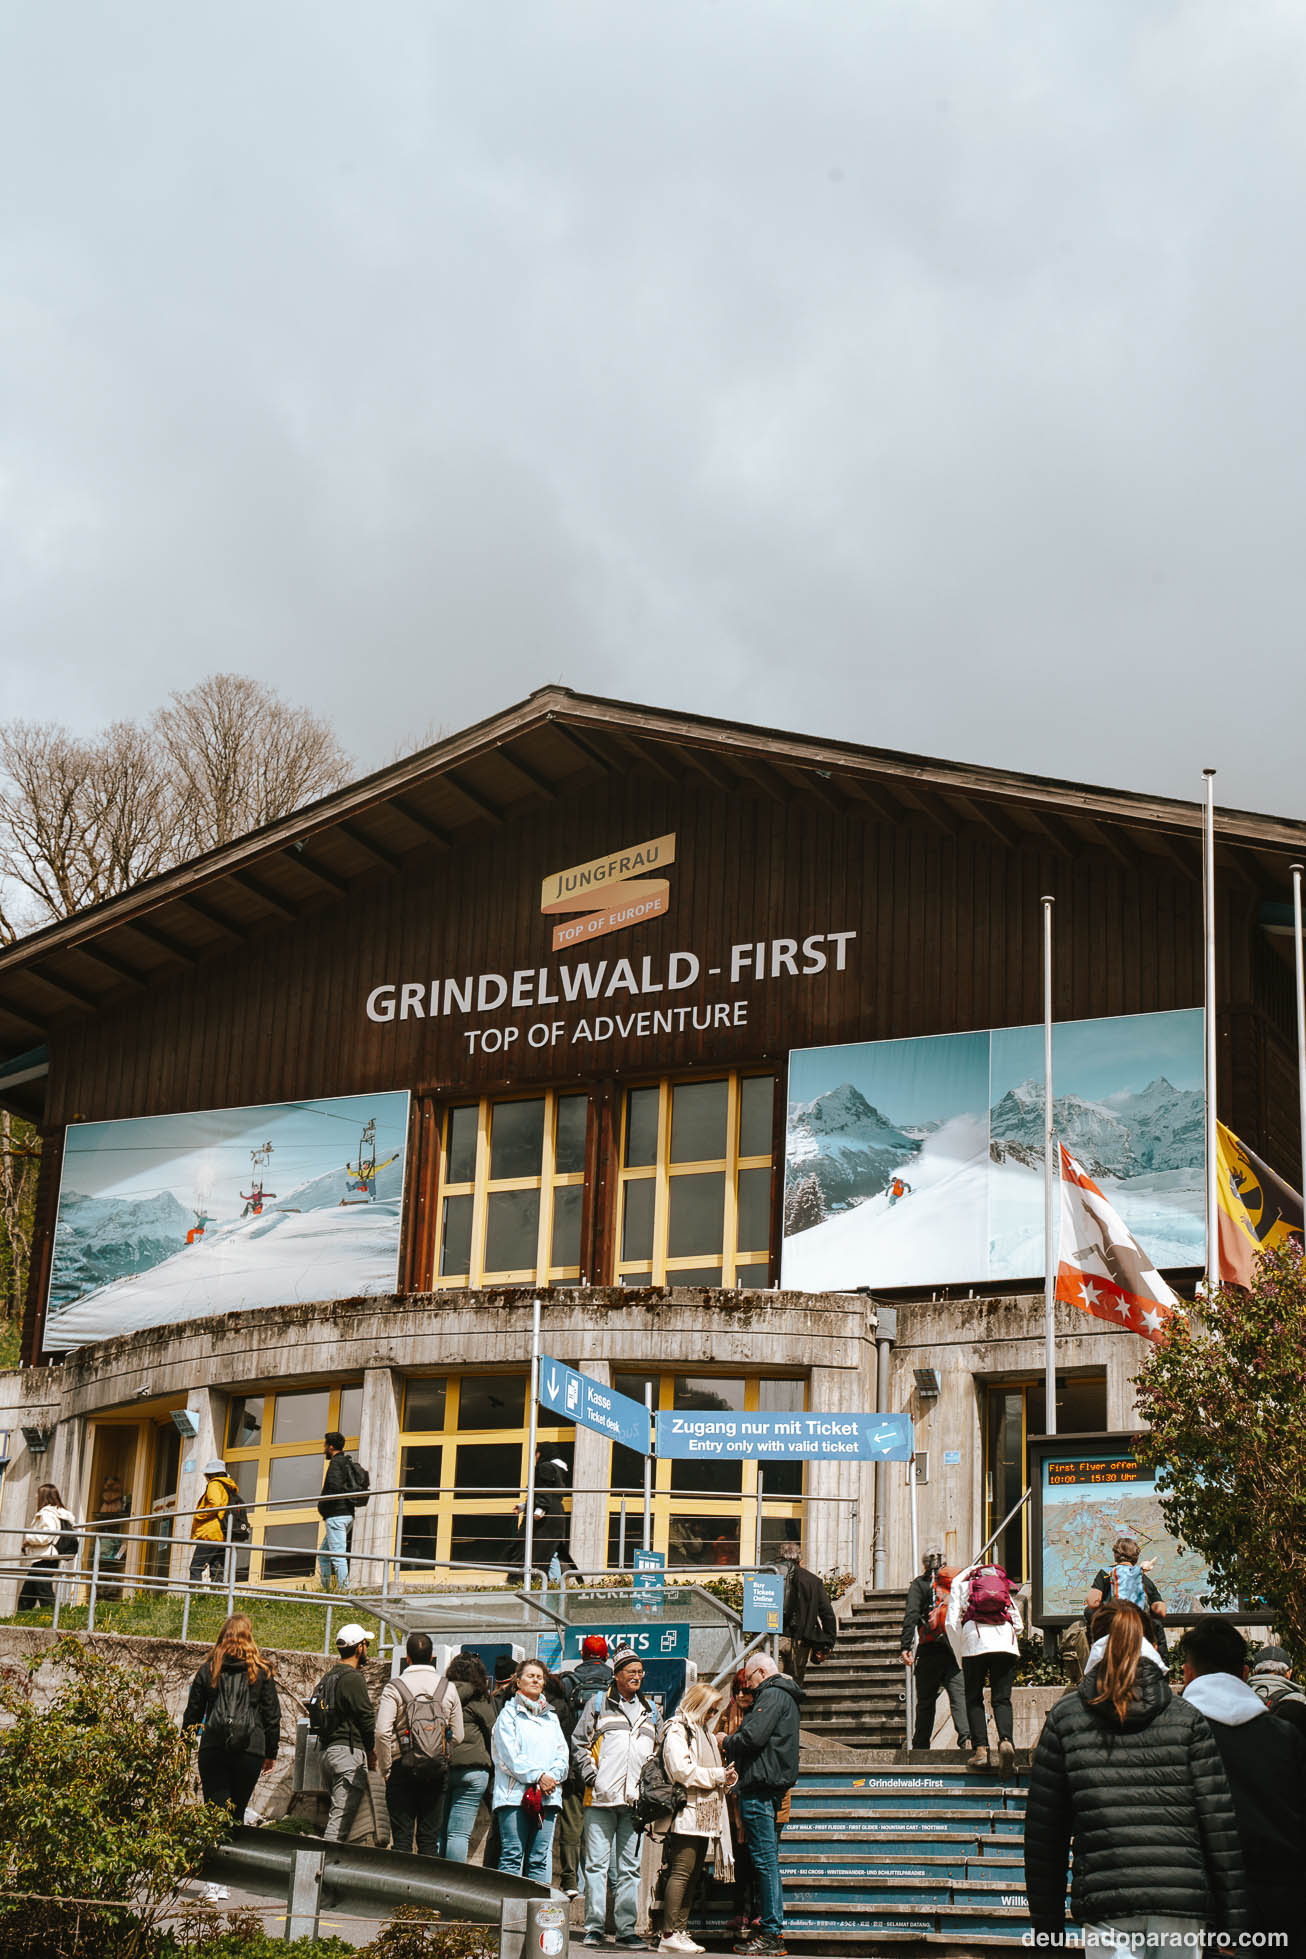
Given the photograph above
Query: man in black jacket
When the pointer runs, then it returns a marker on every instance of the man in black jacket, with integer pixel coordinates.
(349, 1744)
(336, 1509)
(1266, 1766)
(929, 1652)
(809, 1622)
(764, 1750)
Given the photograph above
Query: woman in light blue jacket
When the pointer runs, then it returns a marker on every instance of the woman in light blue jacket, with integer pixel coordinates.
(530, 1767)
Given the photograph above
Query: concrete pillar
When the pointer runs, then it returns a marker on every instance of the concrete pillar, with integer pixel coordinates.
(828, 1526)
(589, 1477)
(374, 1537)
(209, 1409)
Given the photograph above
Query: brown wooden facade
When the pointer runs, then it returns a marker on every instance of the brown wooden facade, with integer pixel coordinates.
(911, 888)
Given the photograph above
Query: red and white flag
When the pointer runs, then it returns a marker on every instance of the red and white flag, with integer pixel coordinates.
(1102, 1269)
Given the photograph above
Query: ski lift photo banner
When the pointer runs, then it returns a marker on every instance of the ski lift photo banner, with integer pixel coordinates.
(170, 1218)
(920, 1162)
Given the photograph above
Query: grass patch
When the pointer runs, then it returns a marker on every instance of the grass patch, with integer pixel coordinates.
(291, 1625)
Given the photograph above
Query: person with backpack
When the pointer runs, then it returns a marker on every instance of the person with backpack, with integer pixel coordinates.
(340, 1715)
(809, 1624)
(983, 1627)
(233, 1702)
(615, 1735)
(52, 1534)
(209, 1524)
(1130, 1776)
(698, 1823)
(764, 1751)
(419, 1722)
(1126, 1578)
(925, 1648)
(470, 1760)
(529, 1752)
(1271, 1679)
(592, 1676)
(344, 1491)
(1266, 1766)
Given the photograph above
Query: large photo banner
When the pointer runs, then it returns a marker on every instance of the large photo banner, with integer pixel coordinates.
(166, 1218)
(921, 1162)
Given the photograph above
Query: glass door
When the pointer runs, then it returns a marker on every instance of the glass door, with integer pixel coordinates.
(1013, 1411)
(163, 1500)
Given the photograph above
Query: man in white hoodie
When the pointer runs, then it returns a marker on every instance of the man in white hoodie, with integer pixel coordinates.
(1265, 1762)
(983, 1627)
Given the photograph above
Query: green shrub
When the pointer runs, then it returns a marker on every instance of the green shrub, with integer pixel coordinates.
(417, 1934)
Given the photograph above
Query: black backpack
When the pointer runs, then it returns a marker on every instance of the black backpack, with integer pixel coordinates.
(230, 1723)
(360, 1483)
(236, 1519)
(659, 1797)
(321, 1705)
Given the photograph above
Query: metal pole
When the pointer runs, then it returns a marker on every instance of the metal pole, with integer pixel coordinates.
(95, 1583)
(886, 1332)
(1301, 1010)
(230, 1555)
(621, 1536)
(648, 1475)
(1049, 1191)
(757, 1530)
(915, 1535)
(528, 1545)
(1212, 1135)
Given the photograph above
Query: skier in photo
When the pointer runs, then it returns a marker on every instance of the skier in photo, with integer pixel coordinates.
(898, 1189)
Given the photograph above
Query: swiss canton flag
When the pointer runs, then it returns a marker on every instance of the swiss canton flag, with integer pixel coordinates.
(1102, 1269)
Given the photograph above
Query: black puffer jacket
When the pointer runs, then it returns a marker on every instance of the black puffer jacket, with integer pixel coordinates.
(1147, 1806)
(764, 1747)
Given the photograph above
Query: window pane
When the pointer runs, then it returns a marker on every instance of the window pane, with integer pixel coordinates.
(569, 1135)
(704, 1540)
(245, 1422)
(709, 1392)
(288, 1550)
(302, 1417)
(351, 1410)
(780, 1397)
(424, 1404)
(752, 1275)
(456, 1236)
(782, 1479)
(627, 1470)
(245, 1476)
(637, 1218)
(419, 1469)
(492, 1401)
(777, 1531)
(641, 1128)
(483, 1539)
(696, 1211)
(512, 1230)
(694, 1275)
(636, 1279)
(698, 1121)
(517, 1139)
(460, 1149)
(566, 1224)
(756, 1103)
(489, 1469)
(754, 1211)
(418, 1537)
(697, 1478)
(296, 1479)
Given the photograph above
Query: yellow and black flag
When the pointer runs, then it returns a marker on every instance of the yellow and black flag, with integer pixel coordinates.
(1258, 1211)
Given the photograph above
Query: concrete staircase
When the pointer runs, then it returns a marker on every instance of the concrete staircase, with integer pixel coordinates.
(859, 1696)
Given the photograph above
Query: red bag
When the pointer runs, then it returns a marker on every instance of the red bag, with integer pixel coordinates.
(533, 1801)
(990, 1595)
(934, 1625)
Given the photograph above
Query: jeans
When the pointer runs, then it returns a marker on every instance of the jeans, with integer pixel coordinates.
(416, 1805)
(1149, 1932)
(345, 1769)
(208, 1556)
(334, 1546)
(758, 1817)
(682, 1868)
(38, 1586)
(999, 1669)
(935, 1667)
(229, 1779)
(525, 1843)
(611, 1842)
(463, 1793)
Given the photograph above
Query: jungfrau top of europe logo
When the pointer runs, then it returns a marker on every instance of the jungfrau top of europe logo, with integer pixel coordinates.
(609, 892)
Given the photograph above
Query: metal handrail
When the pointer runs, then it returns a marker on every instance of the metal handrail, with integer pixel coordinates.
(1018, 1505)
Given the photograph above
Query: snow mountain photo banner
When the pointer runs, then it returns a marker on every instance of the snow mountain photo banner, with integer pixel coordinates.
(167, 1218)
(920, 1162)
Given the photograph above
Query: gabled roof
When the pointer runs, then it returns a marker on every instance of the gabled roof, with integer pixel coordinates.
(528, 756)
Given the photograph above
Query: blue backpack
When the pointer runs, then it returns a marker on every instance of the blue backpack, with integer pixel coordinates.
(1127, 1583)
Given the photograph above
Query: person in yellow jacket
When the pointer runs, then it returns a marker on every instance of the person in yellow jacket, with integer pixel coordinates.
(208, 1527)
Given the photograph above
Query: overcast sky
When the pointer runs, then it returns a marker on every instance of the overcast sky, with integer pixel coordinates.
(929, 374)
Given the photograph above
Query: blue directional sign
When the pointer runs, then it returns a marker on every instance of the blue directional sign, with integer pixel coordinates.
(578, 1398)
(785, 1438)
(764, 1598)
(649, 1581)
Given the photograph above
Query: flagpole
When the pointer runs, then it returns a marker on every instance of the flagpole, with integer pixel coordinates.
(1300, 962)
(1049, 1191)
(1212, 1135)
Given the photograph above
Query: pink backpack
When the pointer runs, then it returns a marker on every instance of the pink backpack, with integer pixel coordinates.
(989, 1595)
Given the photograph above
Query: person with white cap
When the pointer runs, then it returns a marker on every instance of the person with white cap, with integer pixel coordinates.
(614, 1737)
(346, 1728)
(208, 1526)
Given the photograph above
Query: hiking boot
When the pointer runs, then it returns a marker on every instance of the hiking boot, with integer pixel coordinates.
(979, 1760)
(1006, 1761)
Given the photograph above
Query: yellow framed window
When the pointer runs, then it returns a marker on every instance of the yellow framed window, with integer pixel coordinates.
(463, 1458)
(512, 1179)
(274, 1454)
(706, 1512)
(695, 1183)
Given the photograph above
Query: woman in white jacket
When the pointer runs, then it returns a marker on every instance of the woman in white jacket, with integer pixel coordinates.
(42, 1536)
(984, 1633)
(691, 1755)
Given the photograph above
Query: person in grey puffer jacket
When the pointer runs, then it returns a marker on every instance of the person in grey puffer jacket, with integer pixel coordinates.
(1132, 1777)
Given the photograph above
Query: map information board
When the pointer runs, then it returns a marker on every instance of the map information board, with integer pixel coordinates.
(1087, 1495)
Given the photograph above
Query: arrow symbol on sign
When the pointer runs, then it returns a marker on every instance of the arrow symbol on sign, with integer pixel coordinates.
(553, 1383)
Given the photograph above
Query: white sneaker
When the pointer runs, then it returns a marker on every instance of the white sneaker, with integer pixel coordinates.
(216, 1892)
(679, 1942)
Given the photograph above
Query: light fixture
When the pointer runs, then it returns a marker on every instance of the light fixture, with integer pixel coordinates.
(185, 1423)
(927, 1383)
(37, 1440)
